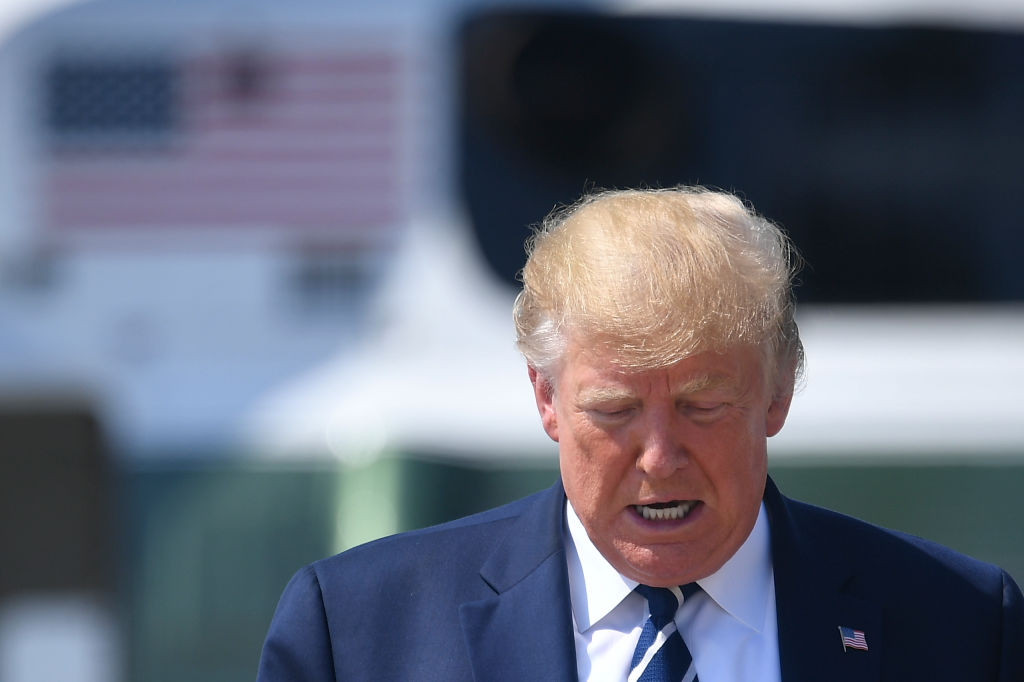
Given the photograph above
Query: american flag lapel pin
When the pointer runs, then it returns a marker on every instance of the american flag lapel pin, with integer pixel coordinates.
(853, 639)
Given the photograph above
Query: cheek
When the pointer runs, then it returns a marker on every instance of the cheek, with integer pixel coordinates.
(592, 464)
(750, 474)
(737, 461)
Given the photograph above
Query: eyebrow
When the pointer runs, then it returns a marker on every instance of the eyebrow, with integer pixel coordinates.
(603, 394)
(705, 382)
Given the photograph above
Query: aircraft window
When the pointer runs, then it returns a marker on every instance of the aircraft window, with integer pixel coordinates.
(893, 155)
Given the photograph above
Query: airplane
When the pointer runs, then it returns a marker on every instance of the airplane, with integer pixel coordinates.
(285, 265)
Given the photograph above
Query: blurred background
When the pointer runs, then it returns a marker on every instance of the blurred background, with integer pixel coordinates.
(257, 262)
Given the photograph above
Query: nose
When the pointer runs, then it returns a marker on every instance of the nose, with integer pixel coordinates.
(662, 450)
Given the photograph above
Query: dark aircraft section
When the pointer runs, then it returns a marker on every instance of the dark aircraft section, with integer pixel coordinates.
(893, 155)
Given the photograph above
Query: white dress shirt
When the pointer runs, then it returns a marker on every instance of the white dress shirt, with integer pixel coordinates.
(729, 626)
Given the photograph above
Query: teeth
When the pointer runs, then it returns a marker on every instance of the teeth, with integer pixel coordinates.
(675, 512)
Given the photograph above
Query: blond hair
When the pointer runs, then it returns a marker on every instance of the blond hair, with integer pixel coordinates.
(656, 276)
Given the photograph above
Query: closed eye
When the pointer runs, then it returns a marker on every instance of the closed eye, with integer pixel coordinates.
(611, 414)
(703, 411)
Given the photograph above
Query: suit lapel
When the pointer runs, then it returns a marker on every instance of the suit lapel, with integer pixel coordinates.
(525, 631)
(813, 599)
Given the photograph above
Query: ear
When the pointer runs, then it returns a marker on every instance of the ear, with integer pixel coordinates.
(778, 410)
(544, 394)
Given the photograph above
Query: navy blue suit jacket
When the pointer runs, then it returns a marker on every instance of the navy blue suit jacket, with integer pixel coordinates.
(487, 598)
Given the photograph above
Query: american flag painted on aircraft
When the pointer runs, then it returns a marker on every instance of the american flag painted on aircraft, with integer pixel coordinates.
(294, 141)
(853, 639)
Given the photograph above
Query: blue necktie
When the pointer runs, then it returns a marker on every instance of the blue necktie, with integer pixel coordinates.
(661, 654)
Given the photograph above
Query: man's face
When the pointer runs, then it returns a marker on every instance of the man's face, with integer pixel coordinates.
(665, 468)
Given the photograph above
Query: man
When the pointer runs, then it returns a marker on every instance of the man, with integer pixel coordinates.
(658, 331)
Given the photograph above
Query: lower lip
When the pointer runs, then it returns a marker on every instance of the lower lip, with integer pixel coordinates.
(668, 524)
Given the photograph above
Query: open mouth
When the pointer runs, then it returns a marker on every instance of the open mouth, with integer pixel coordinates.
(665, 511)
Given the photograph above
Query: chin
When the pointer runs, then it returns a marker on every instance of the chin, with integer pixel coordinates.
(646, 567)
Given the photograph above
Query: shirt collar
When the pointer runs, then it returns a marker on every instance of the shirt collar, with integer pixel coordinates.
(741, 587)
(595, 587)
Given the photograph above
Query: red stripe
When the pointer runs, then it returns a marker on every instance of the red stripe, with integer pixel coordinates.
(348, 97)
(200, 217)
(368, 123)
(379, 64)
(379, 184)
